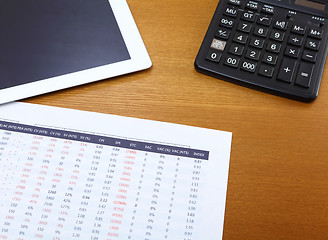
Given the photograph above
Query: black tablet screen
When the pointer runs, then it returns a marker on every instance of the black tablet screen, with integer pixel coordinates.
(47, 38)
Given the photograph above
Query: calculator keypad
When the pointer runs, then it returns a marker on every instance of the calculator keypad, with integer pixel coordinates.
(255, 44)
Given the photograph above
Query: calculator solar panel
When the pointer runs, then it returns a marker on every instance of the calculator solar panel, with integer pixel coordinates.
(279, 47)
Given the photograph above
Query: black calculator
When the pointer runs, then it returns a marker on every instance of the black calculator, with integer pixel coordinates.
(277, 46)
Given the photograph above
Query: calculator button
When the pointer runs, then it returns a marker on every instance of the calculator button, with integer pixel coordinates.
(315, 33)
(270, 58)
(222, 33)
(236, 49)
(286, 70)
(240, 38)
(277, 35)
(299, 29)
(248, 16)
(304, 75)
(226, 23)
(213, 56)
(267, 9)
(312, 44)
(280, 25)
(235, 2)
(253, 54)
(273, 47)
(232, 61)
(232, 12)
(248, 66)
(256, 42)
(292, 51)
(264, 20)
(260, 31)
(218, 44)
(244, 27)
(266, 71)
(309, 56)
(295, 40)
(252, 6)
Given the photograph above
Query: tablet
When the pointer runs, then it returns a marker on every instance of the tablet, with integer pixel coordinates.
(55, 44)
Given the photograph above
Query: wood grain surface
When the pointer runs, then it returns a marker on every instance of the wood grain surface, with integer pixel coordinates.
(278, 178)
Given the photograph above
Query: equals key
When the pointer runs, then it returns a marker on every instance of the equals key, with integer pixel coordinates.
(304, 75)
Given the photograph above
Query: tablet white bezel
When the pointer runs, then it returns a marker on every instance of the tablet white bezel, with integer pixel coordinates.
(139, 60)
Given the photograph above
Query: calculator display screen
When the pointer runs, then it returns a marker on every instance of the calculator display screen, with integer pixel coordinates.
(315, 5)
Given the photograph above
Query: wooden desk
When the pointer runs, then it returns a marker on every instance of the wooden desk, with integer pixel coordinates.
(278, 182)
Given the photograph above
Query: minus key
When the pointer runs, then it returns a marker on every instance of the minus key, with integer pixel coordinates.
(309, 56)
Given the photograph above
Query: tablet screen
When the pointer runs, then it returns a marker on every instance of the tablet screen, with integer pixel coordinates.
(41, 39)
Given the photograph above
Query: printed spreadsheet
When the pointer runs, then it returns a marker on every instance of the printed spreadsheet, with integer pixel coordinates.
(68, 174)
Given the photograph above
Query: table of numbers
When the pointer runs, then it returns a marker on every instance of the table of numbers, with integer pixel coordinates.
(58, 184)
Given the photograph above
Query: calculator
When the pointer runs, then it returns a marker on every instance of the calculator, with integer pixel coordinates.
(277, 46)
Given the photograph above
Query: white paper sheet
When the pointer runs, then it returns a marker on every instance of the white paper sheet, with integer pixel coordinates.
(68, 174)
